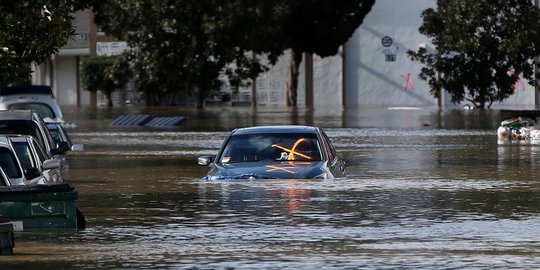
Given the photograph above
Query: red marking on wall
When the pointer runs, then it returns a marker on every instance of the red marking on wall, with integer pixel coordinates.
(408, 81)
(521, 84)
(519, 81)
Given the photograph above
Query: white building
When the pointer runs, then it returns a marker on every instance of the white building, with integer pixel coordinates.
(371, 69)
(61, 71)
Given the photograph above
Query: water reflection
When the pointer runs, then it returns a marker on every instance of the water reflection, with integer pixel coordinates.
(414, 197)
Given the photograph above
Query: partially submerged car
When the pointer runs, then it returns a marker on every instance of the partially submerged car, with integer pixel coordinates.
(12, 166)
(32, 156)
(282, 152)
(38, 98)
(27, 122)
(59, 134)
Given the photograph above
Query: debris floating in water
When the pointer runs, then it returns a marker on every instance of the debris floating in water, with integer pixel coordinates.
(518, 129)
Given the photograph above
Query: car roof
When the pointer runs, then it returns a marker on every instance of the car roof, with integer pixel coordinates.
(4, 141)
(275, 129)
(52, 125)
(16, 114)
(20, 138)
(26, 89)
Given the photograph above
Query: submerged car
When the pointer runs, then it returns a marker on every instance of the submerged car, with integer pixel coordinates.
(275, 152)
(59, 134)
(38, 98)
(11, 164)
(32, 156)
(27, 122)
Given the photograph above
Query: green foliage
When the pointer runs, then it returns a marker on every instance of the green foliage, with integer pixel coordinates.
(187, 44)
(482, 48)
(104, 73)
(174, 50)
(303, 26)
(271, 27)
(31, 31)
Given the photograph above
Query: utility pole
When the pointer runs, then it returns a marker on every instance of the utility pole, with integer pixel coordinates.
(537, 71)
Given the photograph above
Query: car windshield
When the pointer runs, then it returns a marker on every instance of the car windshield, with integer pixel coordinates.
(8, 162)
(271, 147)
(55, 134)
(25, 154)
(43, 110)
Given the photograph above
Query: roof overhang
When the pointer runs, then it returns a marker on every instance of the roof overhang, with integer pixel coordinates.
(74, 52)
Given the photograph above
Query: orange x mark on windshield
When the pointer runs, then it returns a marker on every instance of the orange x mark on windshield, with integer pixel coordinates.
(286, 167)
(292, 151)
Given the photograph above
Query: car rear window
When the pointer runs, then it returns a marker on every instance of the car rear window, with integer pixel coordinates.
(271, 147)
(42, 109)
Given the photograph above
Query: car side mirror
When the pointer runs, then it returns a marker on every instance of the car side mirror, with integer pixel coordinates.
(61, 148)
(51, 164)
(32, 173)
(77, 147)
(205, 160)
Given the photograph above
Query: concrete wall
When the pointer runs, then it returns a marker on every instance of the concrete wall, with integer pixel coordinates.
(328, 81)
(271, 86)
(383, 75)
(65, 79)
(378, 74)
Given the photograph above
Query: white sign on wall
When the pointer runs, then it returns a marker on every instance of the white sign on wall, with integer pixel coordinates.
(110, 48)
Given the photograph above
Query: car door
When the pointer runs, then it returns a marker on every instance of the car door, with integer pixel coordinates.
(336, 165)
(52, 175)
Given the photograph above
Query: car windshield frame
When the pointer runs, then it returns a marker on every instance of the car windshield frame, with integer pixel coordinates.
(271, 147)
(24, 152)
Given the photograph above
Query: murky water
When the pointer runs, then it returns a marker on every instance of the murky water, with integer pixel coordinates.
(424, 190)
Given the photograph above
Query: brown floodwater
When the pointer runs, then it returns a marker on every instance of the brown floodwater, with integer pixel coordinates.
(424, 189)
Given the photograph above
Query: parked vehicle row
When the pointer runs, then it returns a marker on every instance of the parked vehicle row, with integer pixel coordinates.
(33, 145)
(37, 149)
(33, 150)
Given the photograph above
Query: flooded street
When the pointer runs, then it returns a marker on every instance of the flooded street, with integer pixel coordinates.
(424, 190)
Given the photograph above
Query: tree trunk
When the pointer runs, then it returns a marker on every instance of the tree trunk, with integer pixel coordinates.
(482, 99)
(294, 71)
(109, 99)
(254, 85)
(201, 96)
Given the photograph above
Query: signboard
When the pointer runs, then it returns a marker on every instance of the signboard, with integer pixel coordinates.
(389, 53)
(110, 48)
(387, 41)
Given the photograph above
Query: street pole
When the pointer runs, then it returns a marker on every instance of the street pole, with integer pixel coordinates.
(537, 72)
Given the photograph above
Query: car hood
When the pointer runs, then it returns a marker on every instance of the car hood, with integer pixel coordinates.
(268, 170)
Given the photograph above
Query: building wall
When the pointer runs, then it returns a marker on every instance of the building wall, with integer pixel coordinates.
(271, 85)
(378, 71)
(61, 71)
(65, 79)
(383, 75)
(328, 81)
